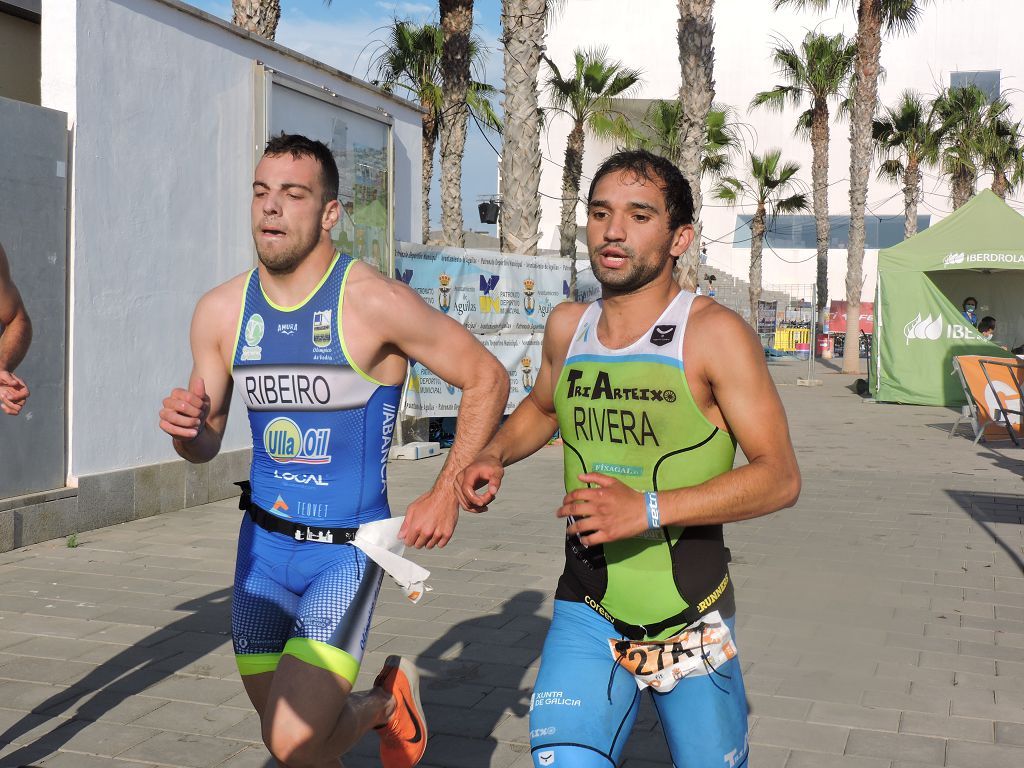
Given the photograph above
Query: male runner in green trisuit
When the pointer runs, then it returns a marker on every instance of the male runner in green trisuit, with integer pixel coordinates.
(651, 388)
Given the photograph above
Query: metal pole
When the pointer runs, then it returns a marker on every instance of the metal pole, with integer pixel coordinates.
(813, 330)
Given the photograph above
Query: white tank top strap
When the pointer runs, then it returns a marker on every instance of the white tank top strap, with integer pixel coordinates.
(664, 338)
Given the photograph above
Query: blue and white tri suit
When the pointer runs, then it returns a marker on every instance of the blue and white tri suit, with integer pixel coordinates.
(321, 434)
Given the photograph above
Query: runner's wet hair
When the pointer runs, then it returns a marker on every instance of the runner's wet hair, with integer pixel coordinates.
(298, 146)
(658, 170)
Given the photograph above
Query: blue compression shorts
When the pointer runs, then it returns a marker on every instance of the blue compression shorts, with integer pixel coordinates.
(306, 599)
(584, 705)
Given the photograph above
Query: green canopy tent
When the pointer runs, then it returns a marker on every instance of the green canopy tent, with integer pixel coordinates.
(919, 324)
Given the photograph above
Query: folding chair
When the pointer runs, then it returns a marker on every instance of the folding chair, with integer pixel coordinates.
(978, 413)
(969, 412)
(1002, 413)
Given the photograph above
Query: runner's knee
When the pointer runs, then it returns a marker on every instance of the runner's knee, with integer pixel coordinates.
(293, 743)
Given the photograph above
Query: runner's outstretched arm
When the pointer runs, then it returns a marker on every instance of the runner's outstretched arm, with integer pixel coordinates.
(195, 417)
(529, 427)
(750, 404)
(452, 353)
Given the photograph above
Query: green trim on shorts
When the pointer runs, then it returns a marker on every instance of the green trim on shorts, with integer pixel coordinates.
(256, 663)
(325, 656)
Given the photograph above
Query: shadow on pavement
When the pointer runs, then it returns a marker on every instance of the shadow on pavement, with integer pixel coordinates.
(481, 664)
(987, 509)
(130, 672)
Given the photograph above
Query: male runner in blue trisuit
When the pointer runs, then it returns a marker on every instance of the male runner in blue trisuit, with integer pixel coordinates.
(318, 345)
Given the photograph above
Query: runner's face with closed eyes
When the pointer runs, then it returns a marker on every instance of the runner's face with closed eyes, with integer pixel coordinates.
(628, 233)
(289, 216)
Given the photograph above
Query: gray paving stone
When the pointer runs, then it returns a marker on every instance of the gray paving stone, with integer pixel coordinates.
(892, 746)
(1009, 733)
(967, 754)
(925, 724)
(763, 756)
(798, 735)
(799, 759)
(183, 717)
(185, 750)
(830, 713)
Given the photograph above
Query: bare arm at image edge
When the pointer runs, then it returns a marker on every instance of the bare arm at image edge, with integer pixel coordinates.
(17, 328)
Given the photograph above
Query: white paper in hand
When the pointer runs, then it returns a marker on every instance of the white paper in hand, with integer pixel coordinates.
(380, 542)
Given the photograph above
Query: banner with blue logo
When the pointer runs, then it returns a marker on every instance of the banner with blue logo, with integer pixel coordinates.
(504, 299)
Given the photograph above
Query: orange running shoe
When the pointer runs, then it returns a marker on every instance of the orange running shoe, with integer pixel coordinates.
(403, 739)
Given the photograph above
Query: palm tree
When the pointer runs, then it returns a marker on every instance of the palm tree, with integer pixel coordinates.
(259, 16)
(523, 22)
(961, 113)
(770, 188)
(585, 98)
(410, 60)
(457, 25)
(696, 33)
(818, 71)
(872, 17)
(1002, 153)
(907, 138)
(658, 132)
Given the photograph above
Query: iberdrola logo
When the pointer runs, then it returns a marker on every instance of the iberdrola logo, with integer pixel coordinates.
(926, 329)
(444, 292)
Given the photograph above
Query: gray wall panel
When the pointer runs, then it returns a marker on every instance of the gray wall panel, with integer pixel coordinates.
(33, 224)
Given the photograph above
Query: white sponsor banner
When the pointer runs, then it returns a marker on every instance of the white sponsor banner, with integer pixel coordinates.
(487, 292)
(429, 395)
(504, 299)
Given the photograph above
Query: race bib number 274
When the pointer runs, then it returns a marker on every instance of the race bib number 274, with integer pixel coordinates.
(698, 650)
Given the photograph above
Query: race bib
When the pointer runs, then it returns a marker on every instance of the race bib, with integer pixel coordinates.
(660, 664)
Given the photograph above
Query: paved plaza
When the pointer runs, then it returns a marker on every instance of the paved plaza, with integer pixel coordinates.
(880, 624)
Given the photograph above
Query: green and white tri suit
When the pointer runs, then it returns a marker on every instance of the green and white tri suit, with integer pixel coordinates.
(629, 413)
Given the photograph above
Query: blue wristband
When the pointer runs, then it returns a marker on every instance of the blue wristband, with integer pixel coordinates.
(653, 513)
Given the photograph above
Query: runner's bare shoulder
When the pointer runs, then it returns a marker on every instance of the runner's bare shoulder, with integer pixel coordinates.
(562, 324)
(713, 326)
(372, 295)
(218, 310)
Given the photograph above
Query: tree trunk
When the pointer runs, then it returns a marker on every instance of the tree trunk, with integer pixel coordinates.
(865, 99)
(911, 187)
(523, 22)
(819, 179)
(999, 183)
(457, 25)
(570, 196)
(259, 16)
(429, 141)
(756, 247)
(961, 187)
(696, 64)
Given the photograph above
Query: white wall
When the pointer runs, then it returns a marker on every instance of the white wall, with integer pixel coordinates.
(953, 35)
(160, 100)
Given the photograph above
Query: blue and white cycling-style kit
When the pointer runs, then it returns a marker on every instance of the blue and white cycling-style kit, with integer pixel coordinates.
(321, 434)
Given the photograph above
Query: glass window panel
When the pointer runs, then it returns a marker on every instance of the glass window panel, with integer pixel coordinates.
(799, 231)
(986, 80)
